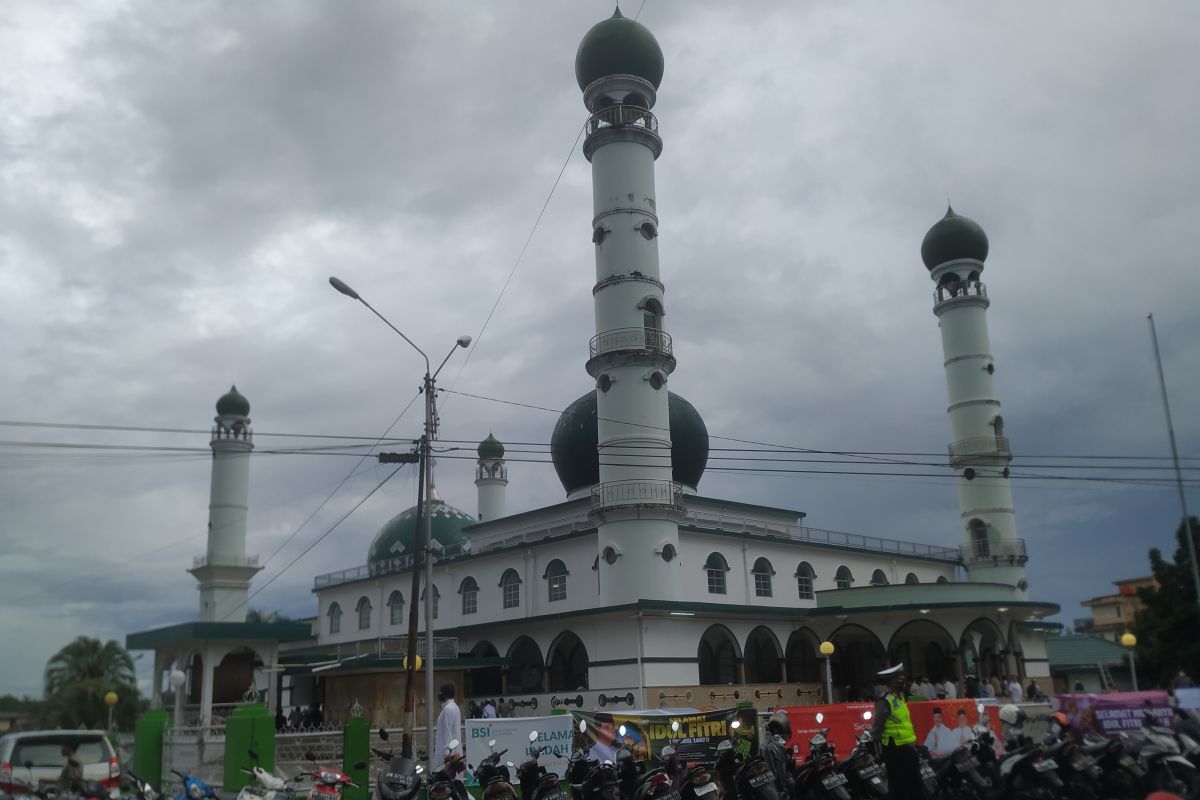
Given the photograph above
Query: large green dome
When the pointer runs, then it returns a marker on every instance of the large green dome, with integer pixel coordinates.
(575, 439)
(396, 538)
(618, 46)
(491, 448)
(954, 237)
(233, 404)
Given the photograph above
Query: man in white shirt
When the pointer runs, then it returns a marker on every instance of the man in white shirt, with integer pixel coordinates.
(927, 689)
(941, 740)
(489, 710)
(950, 689)
(1015, 691)
(449, 725)
(605, 735)
(964, 732)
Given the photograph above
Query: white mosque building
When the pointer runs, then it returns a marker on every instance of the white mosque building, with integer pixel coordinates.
(638, 590)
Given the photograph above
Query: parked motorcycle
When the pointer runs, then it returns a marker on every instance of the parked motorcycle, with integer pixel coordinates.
(265, 786)
(699, 784)
(141, 787)
(194, 788)
(536, 782)
(494, 777)
(401, 780)
(865, 776)
(1160, 755)
(818, 776)
(444, 782)
(328, 783)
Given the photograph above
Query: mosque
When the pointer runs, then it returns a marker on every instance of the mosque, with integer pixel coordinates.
(637, 590)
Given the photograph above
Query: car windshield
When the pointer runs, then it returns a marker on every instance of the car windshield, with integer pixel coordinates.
(47, 752)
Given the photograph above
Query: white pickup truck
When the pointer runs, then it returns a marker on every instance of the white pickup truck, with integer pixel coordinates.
(43, 751)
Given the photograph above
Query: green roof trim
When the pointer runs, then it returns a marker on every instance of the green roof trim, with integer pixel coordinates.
(222, 631)
(1081, 650)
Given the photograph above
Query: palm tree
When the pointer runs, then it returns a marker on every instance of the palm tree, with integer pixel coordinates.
(78, 676)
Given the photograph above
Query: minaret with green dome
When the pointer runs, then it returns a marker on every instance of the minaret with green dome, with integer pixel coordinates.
(224, 571)
(491, 479)
(954, 251)
(636, 502)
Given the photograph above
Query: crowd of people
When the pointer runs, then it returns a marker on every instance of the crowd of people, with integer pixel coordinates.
(1004, 688)
(299, 719)
(490, 709)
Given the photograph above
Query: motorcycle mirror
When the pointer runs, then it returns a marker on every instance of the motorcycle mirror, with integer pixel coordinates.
(737, 723)
(452, 745)
(583, 726)
(621, 730)
(360, 765)
(491, 743)
(253, 753)
(383, 734)
(820, 717)
(675, 725)
(28, 765)
(979, 707)
(308, 754)
(533, 736)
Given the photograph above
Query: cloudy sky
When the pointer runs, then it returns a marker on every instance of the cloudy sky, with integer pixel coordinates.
(178, 180)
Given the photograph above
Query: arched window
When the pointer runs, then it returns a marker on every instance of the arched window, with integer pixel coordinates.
(510, 588)
(568, 667)
(364, 613)
(843, 579)
(469, 590)
(716, 566)
(804, 580)
(437, 596)
(879, 578)
(652, 312)
(556, 580)
(998, 426)
(335, 618)
(979, 538)
(525, 667)
(718, 657)
(396, 607)
(911, 579)
(762, 578)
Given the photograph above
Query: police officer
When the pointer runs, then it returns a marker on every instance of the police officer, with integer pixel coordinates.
(893, 730)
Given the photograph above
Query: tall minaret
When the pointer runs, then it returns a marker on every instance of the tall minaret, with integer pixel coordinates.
(954, 251)
(223, 571)
(491, 478)
(636, 504)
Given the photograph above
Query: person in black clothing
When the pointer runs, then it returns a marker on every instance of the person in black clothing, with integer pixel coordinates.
(775, 752)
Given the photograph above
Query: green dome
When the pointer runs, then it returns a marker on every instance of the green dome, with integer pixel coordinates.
(618, 46)
(954, 237)
(575, 439)
(491, 448)
(397, 536)
(233, 404)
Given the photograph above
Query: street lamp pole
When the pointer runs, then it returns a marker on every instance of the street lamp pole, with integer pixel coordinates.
(827, 650)
(423, 547)
(1130, 642)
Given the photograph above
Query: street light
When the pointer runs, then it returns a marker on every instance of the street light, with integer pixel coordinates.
(827, 649)
(177, 679)
(1130, 642)
(110, 700)
(424, 544)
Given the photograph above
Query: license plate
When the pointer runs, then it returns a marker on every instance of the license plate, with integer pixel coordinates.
(759, 780)
(833, 780)
(705, 788)
(555, 796)
(1045, 765)
(868, 772)
(927, 771)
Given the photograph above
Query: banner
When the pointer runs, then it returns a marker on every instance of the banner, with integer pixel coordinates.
(940, 725)
(1188, 699)
(512, 734)
(1109, 714)
(694, 735)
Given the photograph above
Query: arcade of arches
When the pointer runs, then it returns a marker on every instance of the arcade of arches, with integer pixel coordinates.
(564, 668)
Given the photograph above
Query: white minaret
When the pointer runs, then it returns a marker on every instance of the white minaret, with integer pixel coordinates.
(636, 504)
(954, 251)
(224, 571)
(491, 478)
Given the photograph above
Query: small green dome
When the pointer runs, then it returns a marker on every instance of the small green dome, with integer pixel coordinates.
(397, 536)
(618, 46)
(573, 445)
(954, 237)
(491, 447)
(233, 404)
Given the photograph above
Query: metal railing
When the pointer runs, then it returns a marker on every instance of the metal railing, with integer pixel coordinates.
(651, 340)
(202, 561)
(621, 116)
(384, 566)
(637, 493)
(958, 290)
(721, 522)
(985, 447)
(1004, 552)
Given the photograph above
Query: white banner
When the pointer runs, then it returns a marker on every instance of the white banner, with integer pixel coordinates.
(512, 734)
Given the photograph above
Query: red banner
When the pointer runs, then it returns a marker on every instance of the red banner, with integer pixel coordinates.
(939, 725)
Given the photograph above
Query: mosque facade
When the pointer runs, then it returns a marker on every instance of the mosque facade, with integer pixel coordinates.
(637, 590)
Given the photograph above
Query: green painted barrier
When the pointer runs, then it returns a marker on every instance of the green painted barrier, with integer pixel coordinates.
(356, 749)
(249, 727)
(148, 745)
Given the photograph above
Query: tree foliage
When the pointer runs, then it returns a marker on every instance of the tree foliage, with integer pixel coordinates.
(78, 677)
(258, 615)
(1168, 627)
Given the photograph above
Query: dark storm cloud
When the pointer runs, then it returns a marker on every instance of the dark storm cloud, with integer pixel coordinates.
(179, 181)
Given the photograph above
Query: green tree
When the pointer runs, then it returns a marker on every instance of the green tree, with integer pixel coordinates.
(1168, 627)
(79, 676)
(258, 615)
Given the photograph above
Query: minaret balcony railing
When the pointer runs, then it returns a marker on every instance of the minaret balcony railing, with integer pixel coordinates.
(1002, 553)
(203, 561)
(979, 449)
(958, 290)
(622, 117)
(623, 340)
(635, 493)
